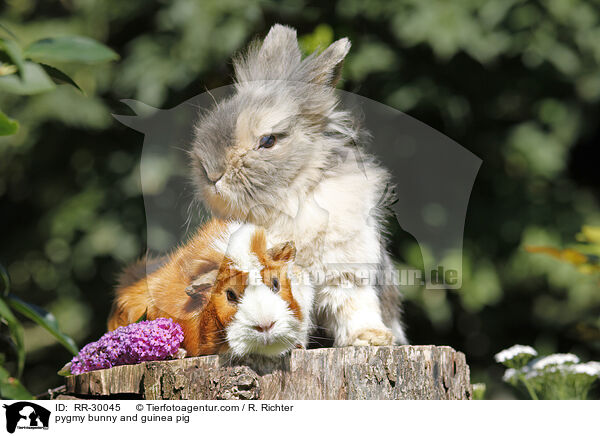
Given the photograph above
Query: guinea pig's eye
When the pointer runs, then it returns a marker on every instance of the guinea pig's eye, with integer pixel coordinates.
(231, 296)
(275, 285)
(267, 141)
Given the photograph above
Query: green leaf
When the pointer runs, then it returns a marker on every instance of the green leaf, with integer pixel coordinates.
(65, 370)
(11, 388)
(6, 279)
(479, 391)
(8, 126)
(144, 317)
(320, 38)
(7, 30)
(44, 319)
(70, 49)
(16, 331)
(34, 81)
(12, 49)
(60, 77)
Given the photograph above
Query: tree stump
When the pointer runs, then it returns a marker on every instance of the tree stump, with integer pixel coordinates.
(353, 373)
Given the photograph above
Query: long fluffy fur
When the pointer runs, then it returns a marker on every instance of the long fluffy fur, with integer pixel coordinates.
(316, 186)
(191, 285)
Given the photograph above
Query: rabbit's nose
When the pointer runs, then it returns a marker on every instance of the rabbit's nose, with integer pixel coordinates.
(214, 177)
(264, 327)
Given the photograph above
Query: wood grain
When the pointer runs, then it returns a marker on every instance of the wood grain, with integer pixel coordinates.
(354, 373)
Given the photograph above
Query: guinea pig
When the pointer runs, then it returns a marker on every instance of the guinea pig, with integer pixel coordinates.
(229, 291)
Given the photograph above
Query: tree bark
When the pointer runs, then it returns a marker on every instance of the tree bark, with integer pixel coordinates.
(353, 373)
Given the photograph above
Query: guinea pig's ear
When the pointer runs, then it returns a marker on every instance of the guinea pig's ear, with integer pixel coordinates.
(285, 252)
(202, 285)
(326, 68)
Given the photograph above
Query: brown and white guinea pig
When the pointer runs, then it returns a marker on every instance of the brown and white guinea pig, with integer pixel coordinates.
(228, 290)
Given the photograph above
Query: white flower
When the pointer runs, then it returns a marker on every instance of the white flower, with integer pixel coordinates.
(555, 359)
(590, 368)
(509, 375)
(514, 351)
(563, 369)
(531, 373)
(594, 364)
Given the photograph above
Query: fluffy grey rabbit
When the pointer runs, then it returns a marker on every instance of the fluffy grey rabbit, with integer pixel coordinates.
(282, 154)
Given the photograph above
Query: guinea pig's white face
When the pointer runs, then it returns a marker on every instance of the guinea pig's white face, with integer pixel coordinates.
(264, 324)
(264, 309)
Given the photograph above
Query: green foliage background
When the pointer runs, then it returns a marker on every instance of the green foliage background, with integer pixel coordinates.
(516, 82)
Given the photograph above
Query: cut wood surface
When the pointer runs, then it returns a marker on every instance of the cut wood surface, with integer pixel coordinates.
(354, 373)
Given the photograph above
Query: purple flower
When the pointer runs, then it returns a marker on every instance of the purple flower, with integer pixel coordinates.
(135, 343)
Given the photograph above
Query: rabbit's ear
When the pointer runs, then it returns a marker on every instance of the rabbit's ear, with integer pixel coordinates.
(280, 47)
(326, 68)
(275, 59)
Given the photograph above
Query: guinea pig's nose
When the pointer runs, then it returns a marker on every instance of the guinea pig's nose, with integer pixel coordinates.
(264, 327)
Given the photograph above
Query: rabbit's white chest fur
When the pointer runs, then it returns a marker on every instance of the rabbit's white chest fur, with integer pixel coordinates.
(331, 224)
(338, 240)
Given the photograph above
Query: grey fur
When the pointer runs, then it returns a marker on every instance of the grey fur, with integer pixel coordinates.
(315, 136)
(279, 58)
(273, 75)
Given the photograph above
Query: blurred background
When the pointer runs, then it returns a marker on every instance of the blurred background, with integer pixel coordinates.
(515, 82)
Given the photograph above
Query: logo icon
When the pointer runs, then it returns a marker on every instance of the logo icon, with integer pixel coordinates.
(26, 415)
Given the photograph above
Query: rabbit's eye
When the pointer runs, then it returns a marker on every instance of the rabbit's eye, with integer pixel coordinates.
(275, 285)
(267, 141)
(231, 296)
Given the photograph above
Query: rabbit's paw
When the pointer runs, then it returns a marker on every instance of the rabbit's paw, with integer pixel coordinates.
(373, 337)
